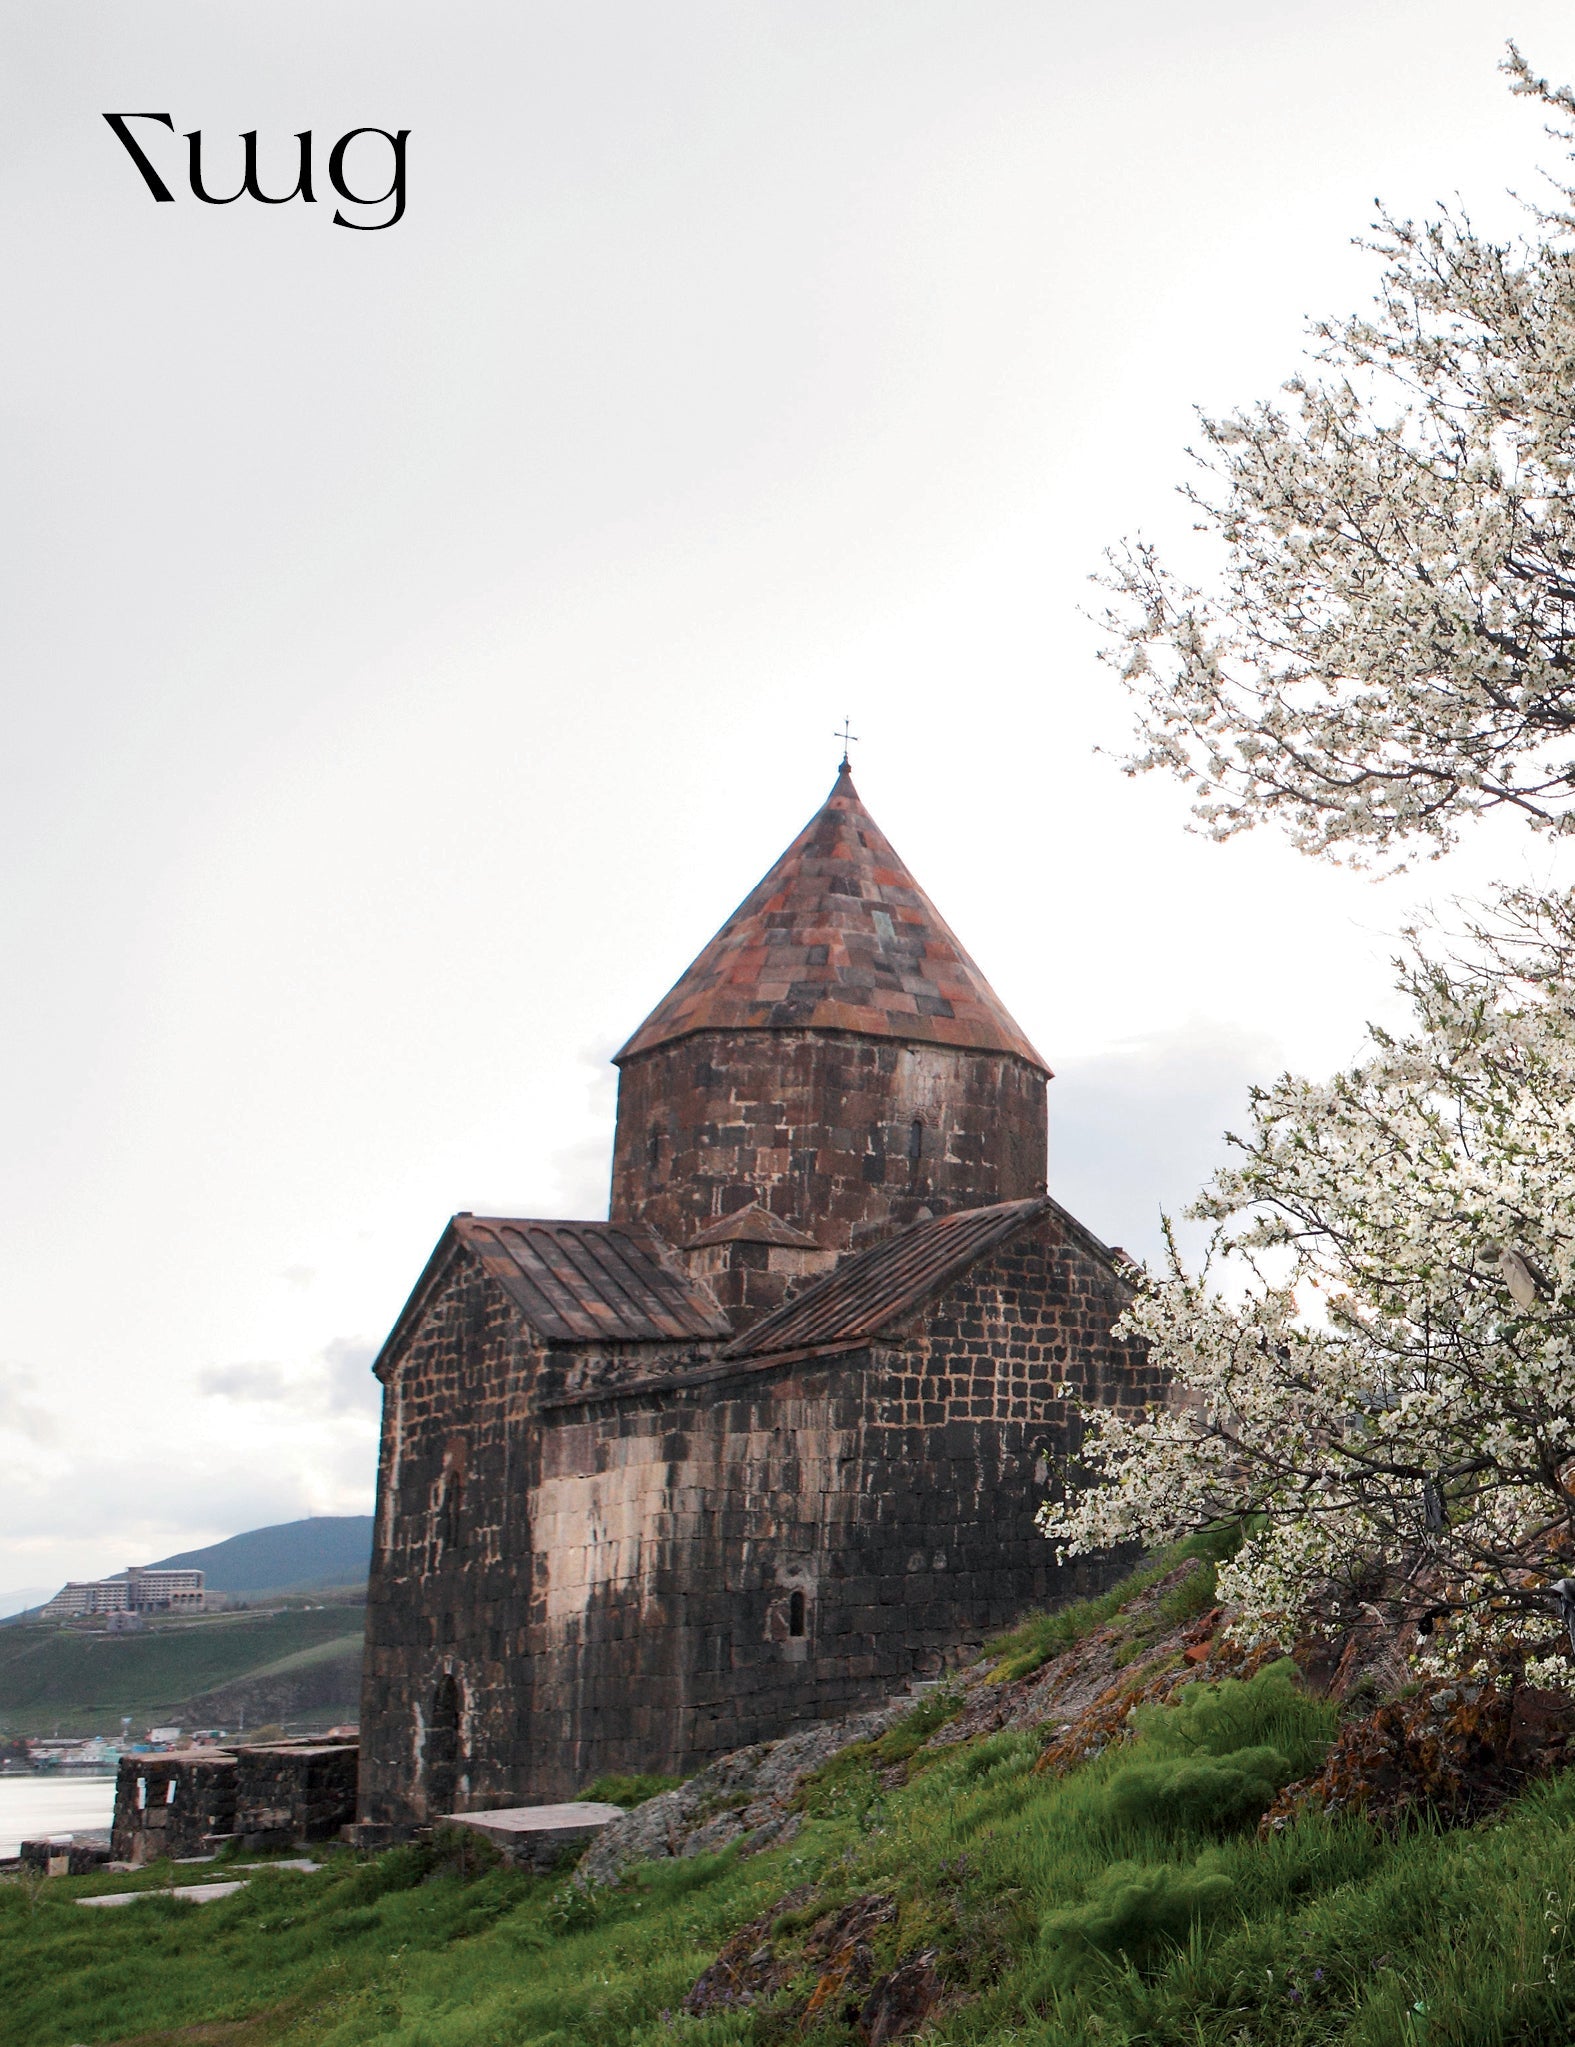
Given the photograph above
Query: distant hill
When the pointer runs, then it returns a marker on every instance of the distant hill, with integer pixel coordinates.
(294, 1556)
(197, 1670)
(24, 1597)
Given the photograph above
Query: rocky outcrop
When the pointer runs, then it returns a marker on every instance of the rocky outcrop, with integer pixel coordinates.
(835, 1962)
(1456, 1753)
(746, 1796)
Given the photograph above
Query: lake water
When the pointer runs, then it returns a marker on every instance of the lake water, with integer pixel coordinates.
(34, 1806)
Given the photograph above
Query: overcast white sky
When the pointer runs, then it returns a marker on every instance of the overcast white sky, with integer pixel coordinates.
(414, 643)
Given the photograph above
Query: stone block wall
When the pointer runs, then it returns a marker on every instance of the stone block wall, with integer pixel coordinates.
(170, 1804)
(448, 1666)
(841, 1135)
(675, 1528)
(688, 1557)
(75, 1855)
(748, 1280)
(290, 1792)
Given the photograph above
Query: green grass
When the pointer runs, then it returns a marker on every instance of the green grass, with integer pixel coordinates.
(1065, 1912)
(82, 1682)
(1129, 1903)
(1042, 1635)
(337, 1649)
(628, 1791)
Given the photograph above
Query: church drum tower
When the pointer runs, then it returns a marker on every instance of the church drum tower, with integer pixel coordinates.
(833, 1055)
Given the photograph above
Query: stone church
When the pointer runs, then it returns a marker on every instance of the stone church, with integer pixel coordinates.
(768, 1443)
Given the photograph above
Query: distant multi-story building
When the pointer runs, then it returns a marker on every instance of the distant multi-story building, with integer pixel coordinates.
(135, 1590)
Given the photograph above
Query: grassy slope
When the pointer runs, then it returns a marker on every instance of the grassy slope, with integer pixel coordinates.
(1044, 1898)
(52, 1676)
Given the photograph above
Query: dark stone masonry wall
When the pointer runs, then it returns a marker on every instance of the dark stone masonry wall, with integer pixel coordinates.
(172, 1804)
(291, 1792)
(840, 1135)
(648, 1576)
(456, 1575)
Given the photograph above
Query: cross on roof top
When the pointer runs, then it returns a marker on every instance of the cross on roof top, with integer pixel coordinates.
(849, 738)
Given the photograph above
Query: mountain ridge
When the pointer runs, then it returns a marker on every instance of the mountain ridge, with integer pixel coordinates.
(289, 1556)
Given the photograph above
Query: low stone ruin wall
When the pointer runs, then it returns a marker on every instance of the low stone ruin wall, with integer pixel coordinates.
(291, 1792)
(75, 1855)
(191, 1801)
(172, 1804)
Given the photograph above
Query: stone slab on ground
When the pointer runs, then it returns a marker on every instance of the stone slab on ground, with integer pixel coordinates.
(195, 1894)
(534, 1836)
(199, 1894)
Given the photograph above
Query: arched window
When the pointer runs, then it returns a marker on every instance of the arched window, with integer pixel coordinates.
(915, 1140)
(796, 1614)
(454, 1510)
(451, 1496)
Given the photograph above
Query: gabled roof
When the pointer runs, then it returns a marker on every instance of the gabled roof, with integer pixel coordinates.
(753, 1225)
(875, 1288)
(575, 1282)
(837, 937)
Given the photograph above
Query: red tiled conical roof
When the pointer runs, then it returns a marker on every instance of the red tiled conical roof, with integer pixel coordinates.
(838, 937)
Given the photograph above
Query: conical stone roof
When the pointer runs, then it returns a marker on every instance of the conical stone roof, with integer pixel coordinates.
(837, 937)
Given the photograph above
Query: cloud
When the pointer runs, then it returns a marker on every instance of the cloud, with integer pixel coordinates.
(350, 1387)
(244, 1382)
(339, 1381)
(582, 1171)
(131, 1513)
(1141, 1127)
(20, 1415)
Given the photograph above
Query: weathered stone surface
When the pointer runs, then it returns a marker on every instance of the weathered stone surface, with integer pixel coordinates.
(649, 1570)
(901, 2001)
(66, 1854)
(1452, 1755)
(171, 1804)
(839, 1135)
(190, 1894)
(289, 1792)
(536, 1836)
(838, 1951)
(748, 1793)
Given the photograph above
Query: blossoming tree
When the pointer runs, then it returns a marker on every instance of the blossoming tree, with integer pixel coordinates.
(1390, 646)
(1387, 1387)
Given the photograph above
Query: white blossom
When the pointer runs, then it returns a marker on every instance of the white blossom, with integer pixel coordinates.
(1390, 645)
(1386, 1393)
(1374, 1372)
